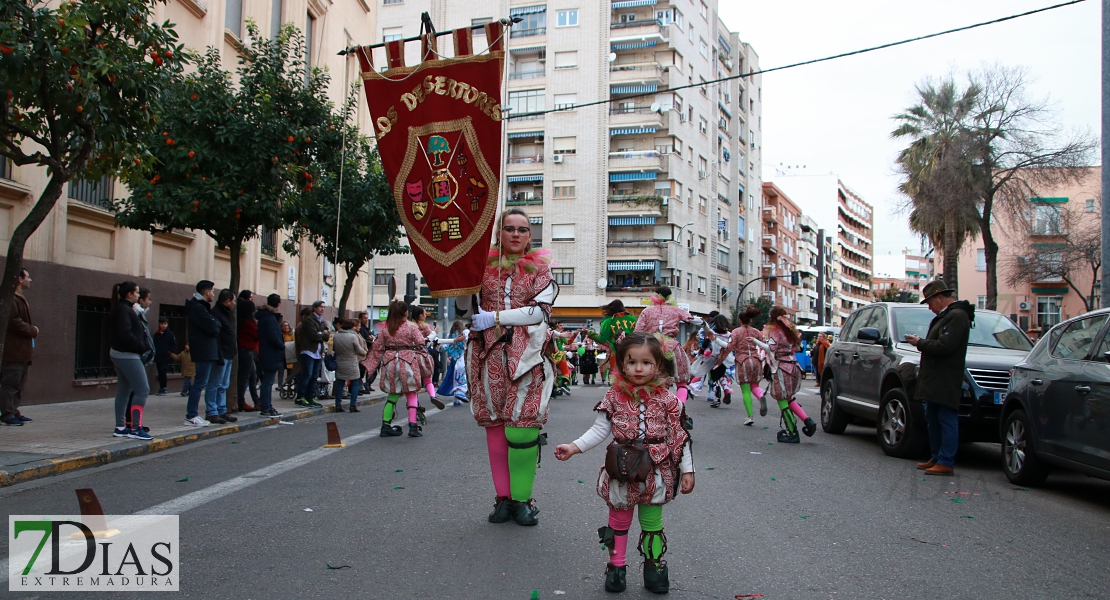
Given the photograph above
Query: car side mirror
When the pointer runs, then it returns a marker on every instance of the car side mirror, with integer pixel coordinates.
(868, 335)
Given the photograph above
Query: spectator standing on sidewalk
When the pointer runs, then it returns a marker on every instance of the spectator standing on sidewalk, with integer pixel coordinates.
(247, 337)
(366, 330)
(349, 350)
(140, 308)
(941, 374)
(271, 353)
(130, 342)
(203, 331)
(165, 342)
(312, 334)
(288, 337)
(188, 369)
(18, 348)
(226, 342)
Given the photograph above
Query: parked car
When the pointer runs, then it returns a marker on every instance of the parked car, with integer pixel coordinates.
(870, 376)
(1057, 412)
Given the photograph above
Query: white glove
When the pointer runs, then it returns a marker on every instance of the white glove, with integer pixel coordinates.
(481, 321)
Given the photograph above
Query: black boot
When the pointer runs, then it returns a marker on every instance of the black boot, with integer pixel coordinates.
(810, 427)
(524, 513)
(389, 430)
(414, 430)
(420, 418)
(786, 437)
(502, 510)
(615, 578)
(656, 576)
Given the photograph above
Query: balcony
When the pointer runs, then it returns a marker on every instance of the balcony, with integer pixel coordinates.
(524, 160)
(650, 160)
(623, 249)
(515, 33)
(94, 193)
(637, 27)
(645, 72)
(524, 75)
(723, 267)
(769, 244)
(771, 214)
(523, 199)
(639, 116)
(641, 204)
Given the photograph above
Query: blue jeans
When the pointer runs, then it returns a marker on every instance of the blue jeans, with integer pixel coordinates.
(340, 385)
(215, 393)
(266, 389)
(200, 380)
(310, 371)
(944, 433)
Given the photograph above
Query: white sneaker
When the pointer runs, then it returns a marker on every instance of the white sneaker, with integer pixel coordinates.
(197, 421)
(749, 422)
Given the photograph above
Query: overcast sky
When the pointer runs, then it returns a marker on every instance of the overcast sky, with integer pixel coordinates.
(835, 116)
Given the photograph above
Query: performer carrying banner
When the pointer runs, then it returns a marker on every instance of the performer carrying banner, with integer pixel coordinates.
(508, 363)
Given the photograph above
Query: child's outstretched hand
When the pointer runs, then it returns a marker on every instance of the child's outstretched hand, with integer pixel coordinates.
(565, 451)
(687, 483)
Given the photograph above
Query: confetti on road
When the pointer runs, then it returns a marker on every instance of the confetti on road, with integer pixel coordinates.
(234, 442)
(535, 595)
(757, 453)
(183, 480)
(399, 471)
(742, 596)
(709, 468)
(559, 593)
(805, 516)
(772, 479)
(580, 481)
(770, 443)
(308, 510)
(337, 568)
(285, 422)
(398, 488)
(765, 428)
(968, 517)
(1022, 489)
(957, 501)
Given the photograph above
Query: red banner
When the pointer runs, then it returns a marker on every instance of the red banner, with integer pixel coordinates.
(438, 126)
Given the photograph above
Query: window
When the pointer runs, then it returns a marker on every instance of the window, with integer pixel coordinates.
(382, 276)
(702, 204)
(628, 17)
(703, 10)
(664, 145)
(566, 18)
(565, 100)
(981, 303)
(980, 260)
(1075, 341)
(537, 231)
(1046, 220)
(703, 48)
(93, 340)
(233, 19)
(309, 39)
(565, 145)
(1090, 207)
(526, 101)
(479, 21)
(701, 245)
(703, 167)
(703, 125)
(701, 285)
(268, 240)
(563, 189)
(275, 18)
(563, 276)
(562, 233)
(722, 256)
(391, 34)
(665, 17)
(533, 21)
(566, 60)
(689, 282)
(388, 2)
(97, 193)
(678, 20)
(1048, 311)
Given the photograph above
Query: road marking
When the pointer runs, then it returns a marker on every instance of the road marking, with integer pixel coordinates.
(215, 492)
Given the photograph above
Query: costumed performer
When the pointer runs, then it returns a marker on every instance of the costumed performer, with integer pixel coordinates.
(397, 353)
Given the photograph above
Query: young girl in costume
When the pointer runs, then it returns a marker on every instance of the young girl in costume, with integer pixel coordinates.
(397, 352)
(508, 366)
(454, 379)
(745, 349)
(418, 315)
(719, 359)
(783, 338)
(663, 316)
(639, 409)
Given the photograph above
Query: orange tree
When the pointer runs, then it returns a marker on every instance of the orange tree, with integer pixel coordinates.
(348, 216)
(229, 153)
(80, 83)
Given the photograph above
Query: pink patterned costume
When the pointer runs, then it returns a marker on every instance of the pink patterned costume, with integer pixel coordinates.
(427, 365)
(788, 376)
(664, 318)
(749, 362)
(400, 358)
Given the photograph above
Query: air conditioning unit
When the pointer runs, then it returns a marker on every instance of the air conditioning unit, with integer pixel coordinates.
(558, 158)
(681, 117)
(1023, 306)
(693, 251)
(702, 175)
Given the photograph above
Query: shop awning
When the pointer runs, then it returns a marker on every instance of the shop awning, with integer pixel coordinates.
(632, 176)
(525, 134)
(622, 221)
(523, 178)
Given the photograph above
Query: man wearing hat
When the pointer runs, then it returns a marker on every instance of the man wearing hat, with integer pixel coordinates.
(311, 336)
(941, 373)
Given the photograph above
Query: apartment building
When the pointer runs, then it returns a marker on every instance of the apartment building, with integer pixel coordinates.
(78, 253)
(781, 233)
(848, 220)
(912, 271)
(809, 266)
(655, 187)
(1053, 223)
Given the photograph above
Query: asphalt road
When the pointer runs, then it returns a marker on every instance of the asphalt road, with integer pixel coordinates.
(829, 518)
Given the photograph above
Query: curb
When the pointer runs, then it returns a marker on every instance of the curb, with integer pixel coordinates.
(97, 457)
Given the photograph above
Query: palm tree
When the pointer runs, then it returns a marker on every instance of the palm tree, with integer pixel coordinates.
(937, 175)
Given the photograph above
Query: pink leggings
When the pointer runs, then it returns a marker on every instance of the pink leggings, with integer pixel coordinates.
(620, 520)
(499, 460)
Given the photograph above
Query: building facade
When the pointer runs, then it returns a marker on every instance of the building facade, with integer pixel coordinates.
(78, 253)
(781, 231)
(809, 266)
(658, 186)
(1048, 229)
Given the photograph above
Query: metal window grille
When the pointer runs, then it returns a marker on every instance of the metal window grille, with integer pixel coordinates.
(179, 326)
(93, 340)
(96, 193)
(269, 241)
(563, 276)
(5, 168)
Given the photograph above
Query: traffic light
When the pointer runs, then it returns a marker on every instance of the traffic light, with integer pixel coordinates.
(427, 301)
(410, 288)
(795, 278)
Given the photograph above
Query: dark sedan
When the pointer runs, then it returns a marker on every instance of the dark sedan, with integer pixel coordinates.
(1057, 411)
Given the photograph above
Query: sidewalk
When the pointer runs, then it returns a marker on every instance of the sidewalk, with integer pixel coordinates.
(75, 435)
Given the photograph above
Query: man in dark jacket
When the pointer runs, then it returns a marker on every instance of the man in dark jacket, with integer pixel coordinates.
(164, 343)
(941, 374)
(312, 334)
(228, 348)
(366, 330)
(271, 352)
(205, 351)
(18, 348)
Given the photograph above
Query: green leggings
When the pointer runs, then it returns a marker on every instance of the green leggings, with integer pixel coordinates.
(390, 406)
(747, 389)
(788, 416)
(651, 519)
(522, 461)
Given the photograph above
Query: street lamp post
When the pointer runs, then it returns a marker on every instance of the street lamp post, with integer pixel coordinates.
(677, 242)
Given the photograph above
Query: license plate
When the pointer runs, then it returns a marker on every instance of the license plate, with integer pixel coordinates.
(998, 397)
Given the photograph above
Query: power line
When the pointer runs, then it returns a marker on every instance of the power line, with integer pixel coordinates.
(803, 63)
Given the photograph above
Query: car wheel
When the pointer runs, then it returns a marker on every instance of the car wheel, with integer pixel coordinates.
(1019, 460)
(833, 419)
(898, 435)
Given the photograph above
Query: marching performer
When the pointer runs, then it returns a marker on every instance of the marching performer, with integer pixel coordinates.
(417, 315)
(663, 317)
(744, 347)
(508, 363)
(783, 339)
(617, 322)
(398, 352)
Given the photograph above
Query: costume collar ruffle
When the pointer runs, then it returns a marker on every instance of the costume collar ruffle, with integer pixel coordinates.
(526, 263)
(635, 392)
(658, 300)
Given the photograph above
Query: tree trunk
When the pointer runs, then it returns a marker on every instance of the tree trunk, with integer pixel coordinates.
(951, 255)
(348, 285)
(1086, 304)
(14, 260)
(990, 250)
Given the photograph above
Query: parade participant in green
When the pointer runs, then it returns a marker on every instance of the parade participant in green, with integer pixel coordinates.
(617, 323)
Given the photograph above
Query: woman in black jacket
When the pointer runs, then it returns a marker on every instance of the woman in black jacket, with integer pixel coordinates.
(130, 344)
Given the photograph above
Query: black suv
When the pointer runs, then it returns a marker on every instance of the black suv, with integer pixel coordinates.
(870, 375)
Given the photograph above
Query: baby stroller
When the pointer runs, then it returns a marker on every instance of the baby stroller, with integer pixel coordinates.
(288, 388)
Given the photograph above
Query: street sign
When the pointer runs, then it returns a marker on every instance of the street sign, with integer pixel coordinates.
(722, 225)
